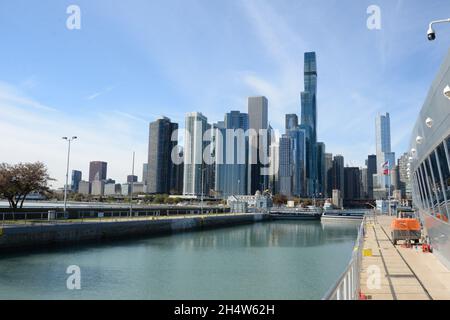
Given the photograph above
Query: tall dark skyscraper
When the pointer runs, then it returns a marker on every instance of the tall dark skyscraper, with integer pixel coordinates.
(329, 174)
(258, 120)
(371, 170)
(321, 169)
(338, 174)
(76, 178)
(309, 120)
(352, 185)
(97, 170)
(161, 169)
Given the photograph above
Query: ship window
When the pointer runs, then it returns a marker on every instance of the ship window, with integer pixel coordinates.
(430, 181)
(423, 200)
(443, 163)
(438, 188)
(426, 187)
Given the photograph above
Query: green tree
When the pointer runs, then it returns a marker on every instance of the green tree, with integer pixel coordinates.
(19, 180)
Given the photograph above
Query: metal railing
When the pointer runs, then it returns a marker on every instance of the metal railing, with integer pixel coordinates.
(347, 287)
(58, 217)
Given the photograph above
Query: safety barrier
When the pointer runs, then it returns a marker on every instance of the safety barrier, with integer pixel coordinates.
(347, 287)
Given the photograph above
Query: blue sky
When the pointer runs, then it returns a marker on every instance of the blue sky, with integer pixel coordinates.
(135, 60)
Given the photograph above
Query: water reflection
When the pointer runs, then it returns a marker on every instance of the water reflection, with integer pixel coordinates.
(272, 260)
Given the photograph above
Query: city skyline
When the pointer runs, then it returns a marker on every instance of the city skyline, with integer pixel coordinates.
(71, 85)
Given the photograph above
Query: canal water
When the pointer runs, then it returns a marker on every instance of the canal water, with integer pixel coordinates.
(268, 260)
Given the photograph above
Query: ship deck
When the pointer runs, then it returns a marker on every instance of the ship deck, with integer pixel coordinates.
(405, 273)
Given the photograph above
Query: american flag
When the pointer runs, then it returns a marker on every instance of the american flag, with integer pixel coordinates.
(385, 166)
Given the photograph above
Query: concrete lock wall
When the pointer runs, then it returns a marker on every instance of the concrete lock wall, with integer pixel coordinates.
(45, 235)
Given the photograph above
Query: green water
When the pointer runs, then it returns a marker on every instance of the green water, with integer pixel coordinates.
(271, 260)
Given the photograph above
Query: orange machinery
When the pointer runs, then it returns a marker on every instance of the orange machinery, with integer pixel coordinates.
(406, 227)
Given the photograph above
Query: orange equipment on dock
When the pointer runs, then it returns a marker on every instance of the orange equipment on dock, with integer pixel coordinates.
(406, 227)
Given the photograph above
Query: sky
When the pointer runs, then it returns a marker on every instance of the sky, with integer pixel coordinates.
(136, 60)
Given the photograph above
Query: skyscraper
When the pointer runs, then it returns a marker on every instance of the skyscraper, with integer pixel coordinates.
(76, 178)
(286, 165)
(258, 142)
(338, 174)
(97, 170)
(384, 154)
(145, 173)
(161, 169)
(194, 167)
(371, 171)
(231, 162)
(298, 161)
(309, 120)
(291, 121)
(352, 186)
(321, 171)
(329, 174)
(363, 182)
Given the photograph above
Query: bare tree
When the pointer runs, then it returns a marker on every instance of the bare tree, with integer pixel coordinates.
(19, 180)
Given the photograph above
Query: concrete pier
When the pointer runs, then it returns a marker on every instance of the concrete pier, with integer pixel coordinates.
(46, 234)
(405, 273)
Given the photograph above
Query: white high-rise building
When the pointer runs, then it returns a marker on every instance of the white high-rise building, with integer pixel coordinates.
(194, 146)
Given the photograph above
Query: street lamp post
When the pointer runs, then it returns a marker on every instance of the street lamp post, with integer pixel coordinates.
(132, 187)
(69, 140)
(201, 197)
(431, 33)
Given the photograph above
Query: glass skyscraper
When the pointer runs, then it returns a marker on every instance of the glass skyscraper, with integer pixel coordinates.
(161, 177)
(194, 166)
(258, 120)
(384, 154)
(309, 120)
(231, 147)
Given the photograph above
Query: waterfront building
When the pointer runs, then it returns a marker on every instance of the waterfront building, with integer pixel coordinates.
(337, 199)
(97, 170)
(371, 164)
(125, 189)
(76, 178)
(286, 165)
(194, 166)
(321, 170)
(338, 174)
(179, 172)
(363, 183)
(112, 189)
(231, 145)
(329, 174)
(84, 187)
(352, 187)
(258, 143)
(298, 153)
(274, 185)
(98, 187)
(161, 169)
(309, 120)
(139, 188)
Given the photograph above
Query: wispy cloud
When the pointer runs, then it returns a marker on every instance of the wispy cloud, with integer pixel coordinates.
(11, 95)
(100, 93)
(29, 135)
